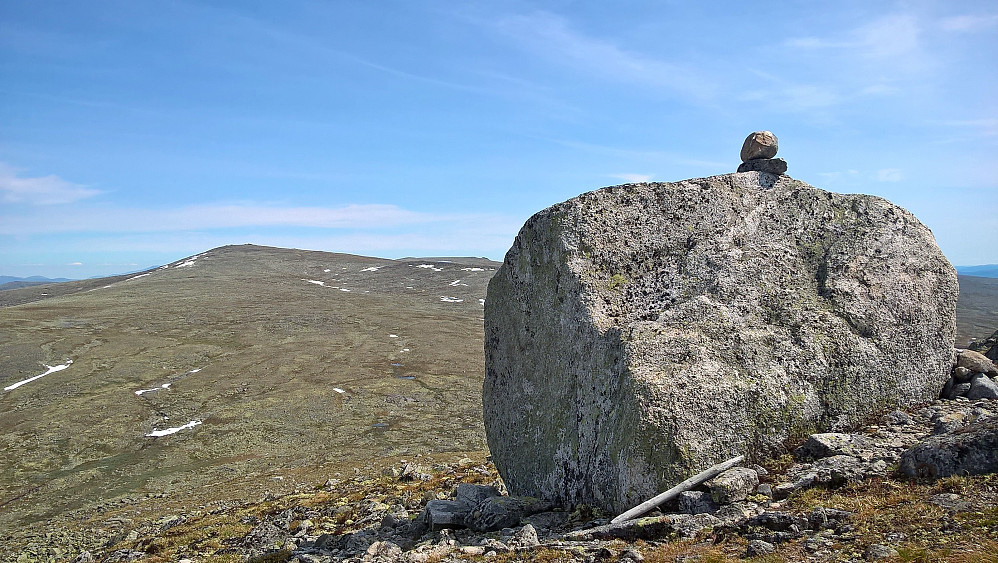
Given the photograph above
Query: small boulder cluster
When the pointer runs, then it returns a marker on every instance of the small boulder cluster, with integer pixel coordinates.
(973, 377)
(759, 152)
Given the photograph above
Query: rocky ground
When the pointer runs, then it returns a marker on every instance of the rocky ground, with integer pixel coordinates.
(838, 497)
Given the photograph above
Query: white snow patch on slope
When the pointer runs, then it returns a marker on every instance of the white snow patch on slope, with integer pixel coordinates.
(451, 300)
(481, 302)
(338, 390)
(472, 269)
(316, 282)
(431, 267)
(137, 277)
(51, 369)
(393, 336)
(456, 283)
(343, 289)
(326, 270)
(168, 431)
(163, 386)
(371, 269)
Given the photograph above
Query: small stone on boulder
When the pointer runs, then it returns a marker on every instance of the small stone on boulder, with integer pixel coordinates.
(760, 144)
(775, 166)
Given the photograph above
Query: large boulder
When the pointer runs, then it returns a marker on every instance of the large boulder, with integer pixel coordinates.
(638, 334)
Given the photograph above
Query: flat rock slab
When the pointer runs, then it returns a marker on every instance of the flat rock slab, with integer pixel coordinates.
(972, 450)
(638, 334)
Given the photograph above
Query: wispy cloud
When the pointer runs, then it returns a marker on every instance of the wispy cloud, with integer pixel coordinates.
(969, 23)
(42, 190)
(216, 216)
(889, 175)
(632, 178)
(886, 37)
(987, 127)
(551, 37)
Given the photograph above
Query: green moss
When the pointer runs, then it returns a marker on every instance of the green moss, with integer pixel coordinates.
(617, 281)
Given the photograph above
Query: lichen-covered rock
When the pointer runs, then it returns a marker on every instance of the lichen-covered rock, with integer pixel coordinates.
(496, 513)
(638, 334)
(970, 450)
(827, 444)
(733, 485)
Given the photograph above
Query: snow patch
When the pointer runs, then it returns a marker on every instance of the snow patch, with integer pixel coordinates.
(457, 283)
(168, 431)
(393, 336)
(371, 269)
(431, 267)
(451, 300)
(316, 282)
(51, 369)
(481, 302)
(137, 277)
(472, 269)
(343, 289)
(338, 390)
(326, 270)
(163, 386)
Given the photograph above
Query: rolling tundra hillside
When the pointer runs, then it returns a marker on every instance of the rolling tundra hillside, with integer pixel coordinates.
(234, 373)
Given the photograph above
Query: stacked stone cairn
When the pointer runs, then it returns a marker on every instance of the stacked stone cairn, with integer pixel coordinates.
(758, 152)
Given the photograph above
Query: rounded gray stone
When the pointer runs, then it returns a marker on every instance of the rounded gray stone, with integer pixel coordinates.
(760, 144)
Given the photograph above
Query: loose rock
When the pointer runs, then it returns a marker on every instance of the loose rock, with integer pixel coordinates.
(769, 165)
(972, 450)
(976, 362)
(761, 144)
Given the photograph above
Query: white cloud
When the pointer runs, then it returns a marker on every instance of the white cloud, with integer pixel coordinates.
(215, 216)
(632, 178)
(550, 36)
(75, 264)
(969, 23)
(889, 175)
(987, 127)
(43, 190)
(889, 36)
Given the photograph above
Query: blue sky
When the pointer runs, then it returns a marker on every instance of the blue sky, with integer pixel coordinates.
(136, 133)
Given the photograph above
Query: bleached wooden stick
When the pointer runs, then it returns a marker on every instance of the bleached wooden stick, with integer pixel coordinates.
(684, 486)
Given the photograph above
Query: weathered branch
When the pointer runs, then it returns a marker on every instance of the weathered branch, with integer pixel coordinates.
(673, 492)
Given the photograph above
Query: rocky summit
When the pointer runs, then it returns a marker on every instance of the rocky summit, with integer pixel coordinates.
(638, 334)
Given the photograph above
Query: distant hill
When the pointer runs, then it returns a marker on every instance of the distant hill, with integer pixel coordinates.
(14, 282)
(984, 271)
(236, 373)
(977, 309)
